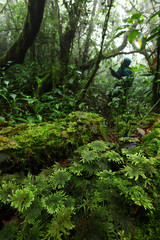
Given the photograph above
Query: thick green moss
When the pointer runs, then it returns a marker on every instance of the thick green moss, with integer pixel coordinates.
(34, 146)
(151, 141)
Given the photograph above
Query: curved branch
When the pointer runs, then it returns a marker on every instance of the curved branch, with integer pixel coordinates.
(16, 53)
(107, 55)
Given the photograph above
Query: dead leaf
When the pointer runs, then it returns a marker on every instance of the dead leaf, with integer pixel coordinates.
(141, 131)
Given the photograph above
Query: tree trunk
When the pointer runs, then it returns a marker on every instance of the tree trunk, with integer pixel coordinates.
(16, 53)
(90, 29)
(156, 83)
(67, 37)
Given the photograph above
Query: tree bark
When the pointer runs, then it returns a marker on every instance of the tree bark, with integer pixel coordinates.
(90, 30)
(67, 37)
(16, 53)
(156, 83)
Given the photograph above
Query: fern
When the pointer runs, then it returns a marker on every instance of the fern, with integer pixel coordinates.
(54, 202)
(60, 225)
(33, 212)
(23, 198)
(88, 156)
(113, 156)
(99, 146)
(30, 232)
(10, 231)
(6, 191)
(59, 178)
(87, 198)
(133, 171)
(140, 197)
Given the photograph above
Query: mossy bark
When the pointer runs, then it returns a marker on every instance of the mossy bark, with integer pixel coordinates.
(66, 39)
(16, 53)
(156, 83)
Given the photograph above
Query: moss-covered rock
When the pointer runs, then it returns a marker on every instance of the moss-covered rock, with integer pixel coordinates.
(34, 146)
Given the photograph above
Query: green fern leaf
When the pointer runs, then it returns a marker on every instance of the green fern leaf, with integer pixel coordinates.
(54, 202)
(133, 172)
(89, 156)
(140, 197)
(32, 213)
(6, 191)
(59, 178)
(113, 156)
(61, 224)
(99, 146)
(23, 198)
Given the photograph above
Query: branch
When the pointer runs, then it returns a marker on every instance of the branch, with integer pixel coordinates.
(107, 55)
(3, 8)
(119, 53)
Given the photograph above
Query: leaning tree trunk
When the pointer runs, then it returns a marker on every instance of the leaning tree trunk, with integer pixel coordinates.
(16, 53)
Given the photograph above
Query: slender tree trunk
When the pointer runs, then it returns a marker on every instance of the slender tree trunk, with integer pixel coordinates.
(90, 29)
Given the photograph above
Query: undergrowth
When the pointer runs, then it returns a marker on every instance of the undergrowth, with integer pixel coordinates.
(100, 191)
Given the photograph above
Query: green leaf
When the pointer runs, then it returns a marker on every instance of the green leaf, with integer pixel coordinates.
(88, 156)
(133, 172)
(139, 196)
(54, 202)
(13, 95)
(119, 34)
(98, 146)
(133, 17)
(113, 156)
(132, 35)
(153, 15)
(152, 36)
(59, 178)
(6, 191)
(31, 119)
(60, 224)
(22, 198)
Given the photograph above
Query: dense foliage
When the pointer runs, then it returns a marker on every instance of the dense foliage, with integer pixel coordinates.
(100, 190)
(76, 163)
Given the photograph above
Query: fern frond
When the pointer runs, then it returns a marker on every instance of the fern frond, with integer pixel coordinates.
(54, 202)
(98, 146)
(113, 156)
(140, 197)
(22, 198)
(60, 225)
(6, 191)
(89, 156)
(59, 178)
(133, 172)
(32, 213)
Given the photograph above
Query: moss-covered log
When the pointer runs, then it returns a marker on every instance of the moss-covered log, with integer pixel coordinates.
(35, 146)
(16, 53)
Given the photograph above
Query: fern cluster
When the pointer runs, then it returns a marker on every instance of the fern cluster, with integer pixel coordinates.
(100, 192)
